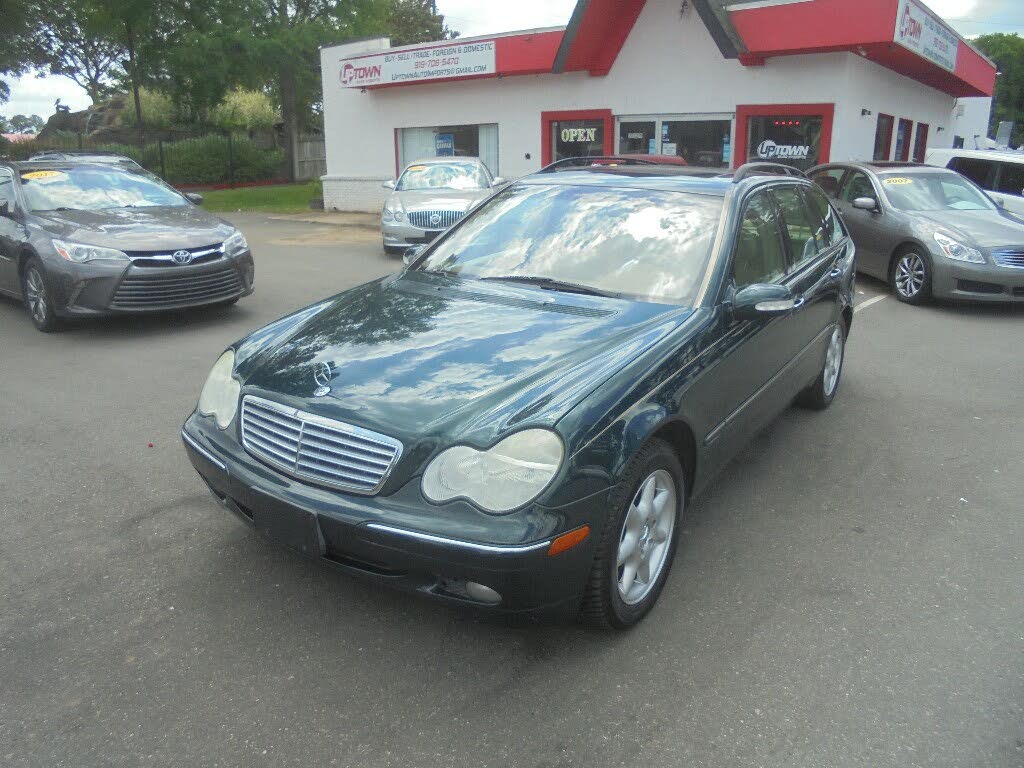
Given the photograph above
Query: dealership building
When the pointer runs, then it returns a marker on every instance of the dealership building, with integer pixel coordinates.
(716, 82)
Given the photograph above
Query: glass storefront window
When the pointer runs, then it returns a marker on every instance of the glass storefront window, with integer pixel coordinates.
(703, 143)
(883, 137)
(788, 139)
(450, 141)
(577, 138)
(637, 138)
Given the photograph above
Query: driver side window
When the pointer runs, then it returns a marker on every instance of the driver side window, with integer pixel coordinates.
(858, 185)
(760, 255)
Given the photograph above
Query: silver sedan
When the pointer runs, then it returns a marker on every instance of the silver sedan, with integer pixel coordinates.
(430, 196)
(928, 232)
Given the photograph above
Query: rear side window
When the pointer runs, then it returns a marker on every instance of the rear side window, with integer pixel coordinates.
(829, 180)
(797, 225)
(1011, 179)
(760, 255)
(981, 172)
(830, 231)
(858, 185)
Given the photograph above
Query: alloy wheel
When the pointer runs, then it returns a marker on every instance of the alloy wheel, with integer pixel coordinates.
(646, 536)
(833, 362)
(910, 275)
(35, 295)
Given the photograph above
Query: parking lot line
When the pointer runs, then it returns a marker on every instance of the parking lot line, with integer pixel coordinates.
(868, 303)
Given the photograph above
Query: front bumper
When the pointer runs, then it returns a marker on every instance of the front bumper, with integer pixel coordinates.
(405, 235)
(401, 540)
(976, 282)
(106, 288)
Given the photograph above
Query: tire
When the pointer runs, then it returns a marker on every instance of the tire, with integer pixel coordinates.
(911, 277)
(822, 392)
(606, 603)
(37, 297)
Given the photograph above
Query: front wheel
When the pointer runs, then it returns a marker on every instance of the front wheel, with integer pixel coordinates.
(638, 543)
(911, 278)
(37, 297)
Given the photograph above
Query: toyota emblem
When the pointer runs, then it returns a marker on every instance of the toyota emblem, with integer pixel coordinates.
(322, 375)
(182, 257)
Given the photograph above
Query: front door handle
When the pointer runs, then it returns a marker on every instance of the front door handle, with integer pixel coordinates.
(837, 272)
(798, 302)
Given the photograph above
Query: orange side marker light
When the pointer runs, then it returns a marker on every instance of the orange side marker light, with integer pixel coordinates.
(568, 540)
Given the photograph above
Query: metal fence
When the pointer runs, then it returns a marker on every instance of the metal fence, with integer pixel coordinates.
(210, 160)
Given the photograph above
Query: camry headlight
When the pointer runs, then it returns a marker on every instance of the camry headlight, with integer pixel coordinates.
(957, 250)
(500, 479)
(81, 253)
(219, 397)
(236, 244)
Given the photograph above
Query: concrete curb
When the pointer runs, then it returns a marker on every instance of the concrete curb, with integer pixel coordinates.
(334, 218)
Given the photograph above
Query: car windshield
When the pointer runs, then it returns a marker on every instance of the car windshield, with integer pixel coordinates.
(940, 191)
(443, 176)
(636, 243)
(93, 188)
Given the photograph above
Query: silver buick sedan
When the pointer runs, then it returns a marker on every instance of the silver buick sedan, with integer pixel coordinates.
(928, 232)
(430, 196)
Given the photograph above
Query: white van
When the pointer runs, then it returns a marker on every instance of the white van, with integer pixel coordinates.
(1001, 174)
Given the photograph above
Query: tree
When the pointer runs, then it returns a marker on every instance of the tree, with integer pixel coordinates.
(244, 110)
(73, 40)
(26, 123)
(17, 52)
(417, 21)
(1007, 51)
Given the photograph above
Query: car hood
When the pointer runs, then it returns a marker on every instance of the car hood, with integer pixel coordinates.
(987, 229)
(440, 199)
(137, 229)
(422, 357)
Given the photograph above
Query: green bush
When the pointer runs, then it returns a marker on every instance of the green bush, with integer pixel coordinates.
(243, 110)
(205, 161)
(158, 110)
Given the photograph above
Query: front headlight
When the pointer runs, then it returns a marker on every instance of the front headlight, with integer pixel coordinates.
(957, 250)
(236, 245)
(81, 253)
(219, 397)
(388, 214)
(505, 477)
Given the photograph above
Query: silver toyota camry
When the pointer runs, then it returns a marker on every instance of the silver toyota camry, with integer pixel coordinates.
(430, 196)
(928, 232)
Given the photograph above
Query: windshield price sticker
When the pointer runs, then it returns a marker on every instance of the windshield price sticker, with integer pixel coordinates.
(40, 175)
(416, 168)
(898, 180)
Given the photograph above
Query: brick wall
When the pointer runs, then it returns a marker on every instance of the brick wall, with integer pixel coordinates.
(354, 194)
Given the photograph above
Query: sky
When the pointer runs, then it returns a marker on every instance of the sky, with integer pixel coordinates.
(33, 95)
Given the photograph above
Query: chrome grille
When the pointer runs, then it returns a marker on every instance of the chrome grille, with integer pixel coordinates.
(1009, 257)
(161, 290)
(322, 451)
(434, 219)
(165, 258)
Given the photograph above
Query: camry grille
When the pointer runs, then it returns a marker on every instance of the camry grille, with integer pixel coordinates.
(322, 451)
(435, 219)
(1009, 257)
(161, 290)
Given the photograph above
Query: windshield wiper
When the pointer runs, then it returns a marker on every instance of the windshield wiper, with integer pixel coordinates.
(550, 284)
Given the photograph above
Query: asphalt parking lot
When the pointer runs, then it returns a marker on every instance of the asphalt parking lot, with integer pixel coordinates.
(850, 592)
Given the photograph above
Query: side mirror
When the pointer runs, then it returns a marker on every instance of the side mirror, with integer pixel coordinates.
(499, 181)
(389, 184)
(194, 197)
(412, 254)
(762, 300)
(866, 204)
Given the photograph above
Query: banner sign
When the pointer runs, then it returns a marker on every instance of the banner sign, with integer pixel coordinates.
(439, 62)
(444, 144)
(920, 32)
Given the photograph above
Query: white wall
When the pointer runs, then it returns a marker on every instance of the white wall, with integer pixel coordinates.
(668, 65)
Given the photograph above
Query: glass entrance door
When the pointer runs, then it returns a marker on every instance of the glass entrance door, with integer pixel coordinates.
(577, 138)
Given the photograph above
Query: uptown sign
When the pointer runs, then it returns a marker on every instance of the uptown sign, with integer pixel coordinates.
(438, 62)
(769, 150)
(920, 32)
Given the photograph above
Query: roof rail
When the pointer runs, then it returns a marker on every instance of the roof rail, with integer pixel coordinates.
(591, 161)
(766, 169)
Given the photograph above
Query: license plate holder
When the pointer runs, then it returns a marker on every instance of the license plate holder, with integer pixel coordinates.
(293, 528)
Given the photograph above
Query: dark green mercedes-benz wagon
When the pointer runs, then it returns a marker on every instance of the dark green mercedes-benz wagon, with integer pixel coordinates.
(518, 420)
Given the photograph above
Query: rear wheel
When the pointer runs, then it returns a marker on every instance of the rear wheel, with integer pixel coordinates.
(37, 296)
(911, 277)
(638, 543)
(822, 392)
